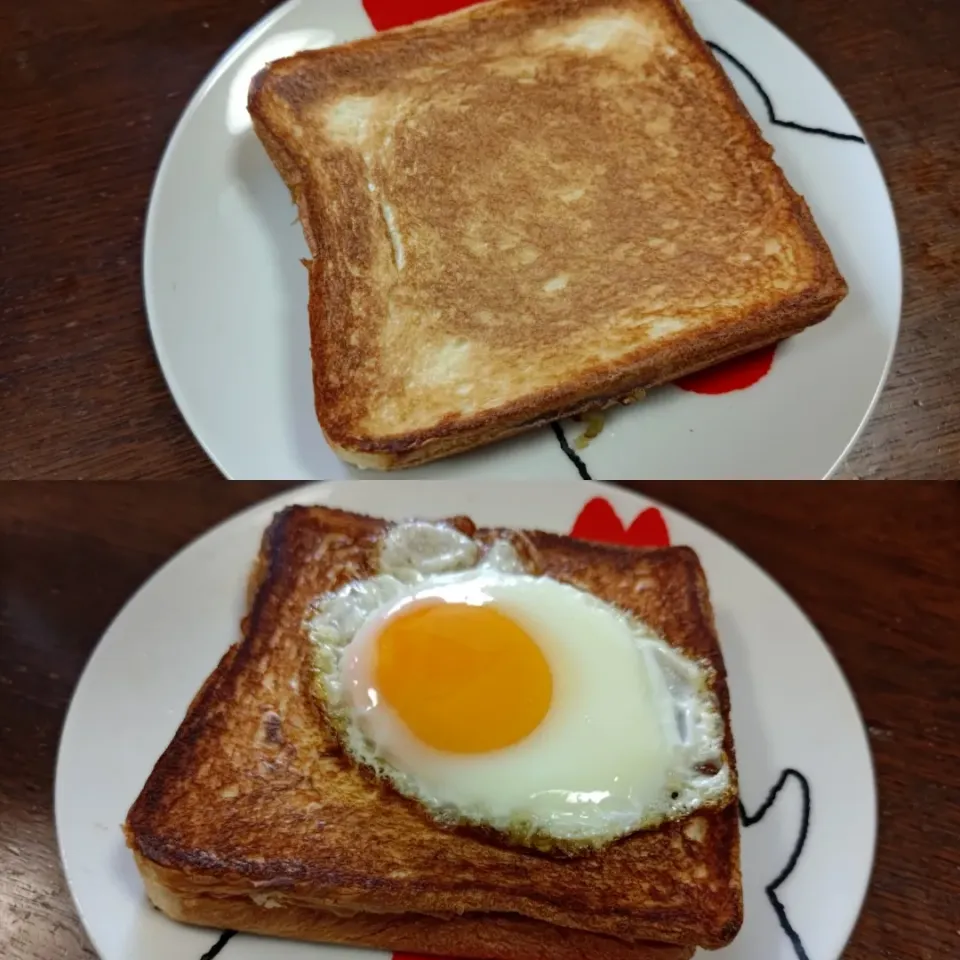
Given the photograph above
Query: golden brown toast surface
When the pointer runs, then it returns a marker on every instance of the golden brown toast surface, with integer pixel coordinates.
(526, 209)
(254, 797)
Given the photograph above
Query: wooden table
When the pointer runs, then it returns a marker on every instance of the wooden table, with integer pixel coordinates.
(92, 89)
(869, 563)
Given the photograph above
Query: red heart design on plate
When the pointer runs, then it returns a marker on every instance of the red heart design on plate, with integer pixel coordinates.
(736, 374)
(385, 14)
(598, 521)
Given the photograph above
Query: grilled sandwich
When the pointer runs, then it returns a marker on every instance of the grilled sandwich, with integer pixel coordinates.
(527, 210)
(256, 819)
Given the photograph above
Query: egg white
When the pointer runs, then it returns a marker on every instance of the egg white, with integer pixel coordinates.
(633, 735)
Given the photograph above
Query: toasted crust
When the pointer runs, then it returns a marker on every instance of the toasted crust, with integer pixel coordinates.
(487, 936)
(253, 796)
(509, 224)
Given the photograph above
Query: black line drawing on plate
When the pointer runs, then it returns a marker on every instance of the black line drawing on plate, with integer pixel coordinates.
(771, 888)
(225, 938)
(768, 103)
(569, 452)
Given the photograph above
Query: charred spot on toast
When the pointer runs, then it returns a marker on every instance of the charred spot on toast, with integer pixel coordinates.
(272, 728)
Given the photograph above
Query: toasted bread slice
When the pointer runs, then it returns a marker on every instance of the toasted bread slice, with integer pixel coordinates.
(253, 818)
(527, 210)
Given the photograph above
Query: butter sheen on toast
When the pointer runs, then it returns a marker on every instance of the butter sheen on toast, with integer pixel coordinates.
(252, 819)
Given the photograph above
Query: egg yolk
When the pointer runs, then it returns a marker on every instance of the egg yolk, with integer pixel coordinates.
(464, 678)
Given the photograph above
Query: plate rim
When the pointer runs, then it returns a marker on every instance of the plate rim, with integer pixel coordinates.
(221, 65)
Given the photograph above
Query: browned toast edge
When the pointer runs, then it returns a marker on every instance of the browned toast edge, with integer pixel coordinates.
(492, 937)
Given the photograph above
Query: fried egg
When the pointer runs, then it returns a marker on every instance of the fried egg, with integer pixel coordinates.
(514, 702)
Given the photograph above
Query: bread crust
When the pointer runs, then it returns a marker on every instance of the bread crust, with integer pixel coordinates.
(484, 936)
(253, 797)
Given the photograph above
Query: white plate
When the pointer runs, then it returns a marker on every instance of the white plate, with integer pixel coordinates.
(226, 295)
(792, 710)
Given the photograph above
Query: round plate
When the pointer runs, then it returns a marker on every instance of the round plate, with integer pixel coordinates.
(806, 778)
(226, 294)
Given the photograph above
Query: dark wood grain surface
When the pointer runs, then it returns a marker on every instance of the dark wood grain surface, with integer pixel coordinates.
(874, 565)
(92, 89)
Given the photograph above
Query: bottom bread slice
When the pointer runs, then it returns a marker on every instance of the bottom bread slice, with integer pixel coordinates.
(481, 936)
